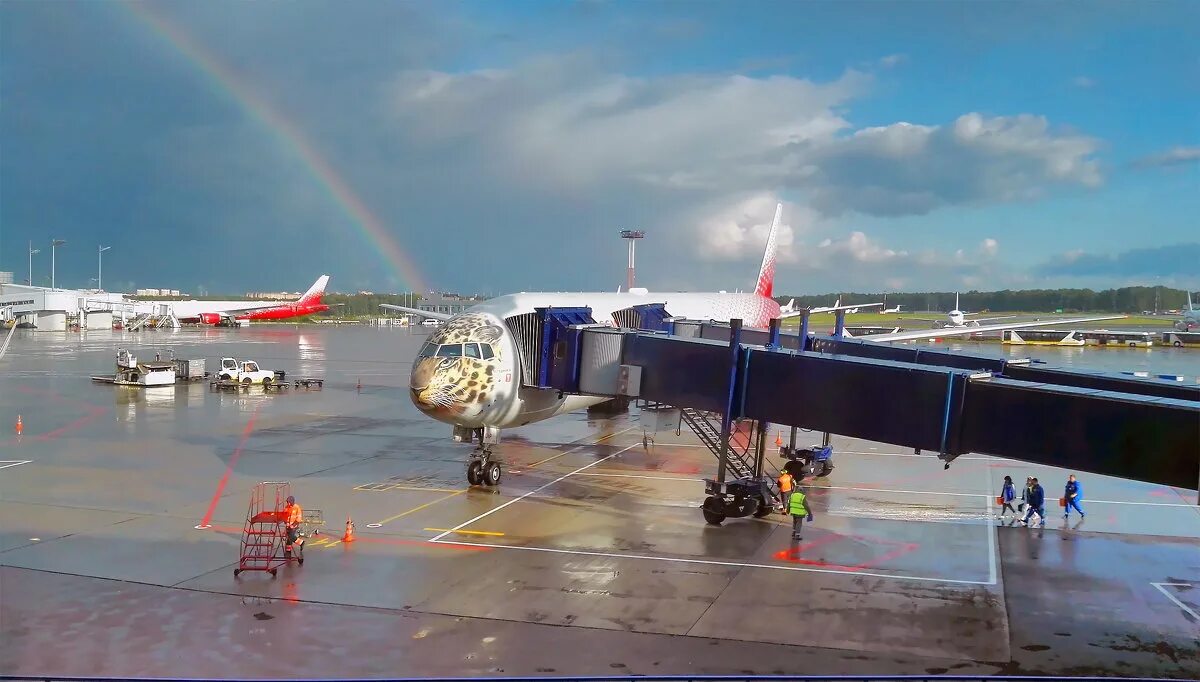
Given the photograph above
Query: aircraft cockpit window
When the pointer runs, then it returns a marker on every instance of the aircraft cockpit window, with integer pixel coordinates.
(487, 351)
(453, 350)
(472, 350)
(428, 351)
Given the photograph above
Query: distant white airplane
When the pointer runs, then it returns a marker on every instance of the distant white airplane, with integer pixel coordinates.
(1191, 317)
(889, 310)
(957, 318)
(469, 373)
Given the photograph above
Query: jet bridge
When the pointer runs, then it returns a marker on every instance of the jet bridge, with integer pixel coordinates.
(949, 403)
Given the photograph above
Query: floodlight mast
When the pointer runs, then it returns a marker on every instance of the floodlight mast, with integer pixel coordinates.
(631, 236)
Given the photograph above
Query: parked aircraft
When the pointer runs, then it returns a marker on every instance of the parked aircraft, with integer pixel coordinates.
(1191, 317)
(231, 312)
(956, 318)
(469, 373)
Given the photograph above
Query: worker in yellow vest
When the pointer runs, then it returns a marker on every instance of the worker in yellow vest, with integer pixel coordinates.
(786, 484)
(798, 508)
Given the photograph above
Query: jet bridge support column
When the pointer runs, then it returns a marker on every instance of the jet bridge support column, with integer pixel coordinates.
(803, 336)
(735, 341)
(840, 324)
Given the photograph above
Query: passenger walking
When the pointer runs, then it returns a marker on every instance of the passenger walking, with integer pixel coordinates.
(1025, 493)
(1007, 494)
(798, 508)
(1072, 494)
(786, 484)
(1036, 501)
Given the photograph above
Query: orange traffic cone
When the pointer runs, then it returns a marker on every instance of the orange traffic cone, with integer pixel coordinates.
(349, 536)
(20, 427)
(778, 440)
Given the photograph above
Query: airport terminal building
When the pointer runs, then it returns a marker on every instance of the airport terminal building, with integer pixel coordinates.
(59, 309)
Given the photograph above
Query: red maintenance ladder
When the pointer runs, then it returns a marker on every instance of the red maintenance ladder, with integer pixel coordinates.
(265, 534)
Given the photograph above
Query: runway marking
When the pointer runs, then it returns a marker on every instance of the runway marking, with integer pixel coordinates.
(891, 490)
(1173, 598)
(6, 463)
(993, 540)
(437, 538)
(396, 486)
(467, 532)
(419, 508)
(237, 452)
(581, 447)
(713, 562)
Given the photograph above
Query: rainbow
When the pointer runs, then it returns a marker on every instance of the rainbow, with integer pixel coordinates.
(290, 137)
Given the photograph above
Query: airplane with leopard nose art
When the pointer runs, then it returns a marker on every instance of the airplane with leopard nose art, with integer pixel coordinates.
(469, 372)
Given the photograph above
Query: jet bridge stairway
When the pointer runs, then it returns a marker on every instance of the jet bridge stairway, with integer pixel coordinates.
(751, 491)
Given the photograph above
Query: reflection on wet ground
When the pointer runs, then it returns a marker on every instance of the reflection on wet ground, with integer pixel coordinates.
(590, 558)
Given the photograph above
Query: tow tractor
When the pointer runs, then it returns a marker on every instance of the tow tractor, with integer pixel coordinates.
(247, 372)
(809, 462)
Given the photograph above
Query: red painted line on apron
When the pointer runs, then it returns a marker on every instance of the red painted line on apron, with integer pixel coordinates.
(212, 506)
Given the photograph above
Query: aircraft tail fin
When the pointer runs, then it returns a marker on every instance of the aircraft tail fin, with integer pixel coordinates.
(766, 273)
(315, 292)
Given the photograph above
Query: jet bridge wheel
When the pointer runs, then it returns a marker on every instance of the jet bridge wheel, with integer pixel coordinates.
(714, 510)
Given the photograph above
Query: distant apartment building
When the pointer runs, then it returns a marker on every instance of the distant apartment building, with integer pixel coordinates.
(6, 278)
(157, 292)
(273, 295)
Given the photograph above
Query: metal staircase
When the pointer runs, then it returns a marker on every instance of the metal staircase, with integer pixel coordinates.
(739, 456)
(139, 322)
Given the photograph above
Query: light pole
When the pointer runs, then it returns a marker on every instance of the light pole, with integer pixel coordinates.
(100, 267)
(631, 236)
(31, 252)
(54, 244)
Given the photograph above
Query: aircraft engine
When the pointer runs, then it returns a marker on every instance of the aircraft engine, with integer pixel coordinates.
(209, 318)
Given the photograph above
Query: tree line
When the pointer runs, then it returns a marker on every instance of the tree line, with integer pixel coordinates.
(1122, 300)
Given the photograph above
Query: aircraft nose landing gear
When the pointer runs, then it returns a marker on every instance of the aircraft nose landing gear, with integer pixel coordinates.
(482, 470)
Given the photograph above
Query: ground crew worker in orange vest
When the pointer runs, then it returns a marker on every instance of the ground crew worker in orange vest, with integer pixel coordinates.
(786, 483)
(292, 515)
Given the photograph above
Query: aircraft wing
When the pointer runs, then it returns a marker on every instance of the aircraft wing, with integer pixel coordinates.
(989, 319)
(963, 331)
(785, 313)
(916, 319)
(417, 311)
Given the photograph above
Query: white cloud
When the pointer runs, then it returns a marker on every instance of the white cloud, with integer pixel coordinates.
(905, 169)
(893, 60)
(1175, 156)
(989, 247)
(563, 126)
(738, 231)
(1083, 82)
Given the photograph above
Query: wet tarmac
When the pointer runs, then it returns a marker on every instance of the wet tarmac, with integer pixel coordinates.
(590, 558)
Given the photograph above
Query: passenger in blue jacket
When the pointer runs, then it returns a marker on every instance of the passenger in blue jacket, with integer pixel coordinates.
(1073, 493)
(1036, 501)
(1007, 494)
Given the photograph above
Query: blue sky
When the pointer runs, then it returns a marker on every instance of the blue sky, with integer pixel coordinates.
(929, 145)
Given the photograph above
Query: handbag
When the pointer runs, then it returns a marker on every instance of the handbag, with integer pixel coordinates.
(1000, 499)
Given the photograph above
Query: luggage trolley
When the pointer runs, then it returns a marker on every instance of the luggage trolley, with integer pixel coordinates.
(264, 537)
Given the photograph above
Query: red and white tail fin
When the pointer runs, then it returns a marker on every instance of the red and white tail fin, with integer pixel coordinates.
(315, 292)
(766, 273)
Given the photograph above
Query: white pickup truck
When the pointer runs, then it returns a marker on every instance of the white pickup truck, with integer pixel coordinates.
(246, 372)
